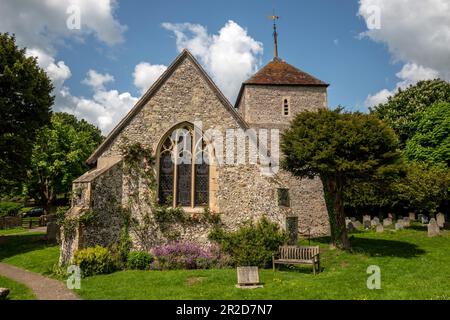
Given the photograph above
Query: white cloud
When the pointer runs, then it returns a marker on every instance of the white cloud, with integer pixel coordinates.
(230, 57)
(57, 72)
(410, 74)
(97, 80)
(41, 24)
(416, 32)
(145, 74)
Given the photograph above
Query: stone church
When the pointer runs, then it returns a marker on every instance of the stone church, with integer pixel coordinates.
(182, 96)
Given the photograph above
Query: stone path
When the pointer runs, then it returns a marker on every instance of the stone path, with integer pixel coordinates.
(44, 288)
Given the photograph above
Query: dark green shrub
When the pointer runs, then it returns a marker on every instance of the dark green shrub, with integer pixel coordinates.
(9, 208)
(139, 260)
(253, 244)
(94, 261)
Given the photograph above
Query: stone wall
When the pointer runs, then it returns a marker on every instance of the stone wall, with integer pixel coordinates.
(262, 105)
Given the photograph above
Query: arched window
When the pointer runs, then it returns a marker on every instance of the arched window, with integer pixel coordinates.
(286, 107)
(183, 179)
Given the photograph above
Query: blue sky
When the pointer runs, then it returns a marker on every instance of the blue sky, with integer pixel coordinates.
(307, 31)
(322, 37)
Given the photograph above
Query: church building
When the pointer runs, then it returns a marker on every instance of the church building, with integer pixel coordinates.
(182, 97)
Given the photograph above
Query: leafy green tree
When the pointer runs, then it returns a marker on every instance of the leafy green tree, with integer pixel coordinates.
(25, 106)
(431, 141)
(59, 154)
(403, 110)
(339, 148)
(424, 188)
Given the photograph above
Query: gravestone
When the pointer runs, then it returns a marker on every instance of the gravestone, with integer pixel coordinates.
(357, 224)
(248, 278)
(412, 216)
(52, 230)
(399, 225)
(353, 219)
(406, 221)
(433, 228)
(351, 227)
(366, 218)
(380, 228)
(347, 220)
(391, 216)
(367, 225)
(440, 219)
(374, 223)
(376, 219)
(387, 222)
(4, 293)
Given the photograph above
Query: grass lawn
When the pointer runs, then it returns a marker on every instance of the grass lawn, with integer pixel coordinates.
(412, 265)
(5, 232)
(29, 251)
(17, 290)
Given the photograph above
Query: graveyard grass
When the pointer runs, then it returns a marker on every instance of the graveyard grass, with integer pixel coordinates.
(17, 291)
(412, 265)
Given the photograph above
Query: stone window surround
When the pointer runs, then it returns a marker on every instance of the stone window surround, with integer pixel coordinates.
(189, 209)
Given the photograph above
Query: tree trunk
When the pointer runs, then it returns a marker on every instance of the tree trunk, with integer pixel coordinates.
(333, 189)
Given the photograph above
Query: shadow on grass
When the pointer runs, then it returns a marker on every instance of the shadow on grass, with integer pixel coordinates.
(18, 244)
(380, 247)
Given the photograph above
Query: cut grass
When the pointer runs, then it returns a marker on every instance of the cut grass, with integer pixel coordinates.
(412, 265)
(29, 251)
(17, 291)
(6, 232)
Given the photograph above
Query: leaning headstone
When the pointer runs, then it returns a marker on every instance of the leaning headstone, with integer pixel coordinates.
(399, 225)
(374, 223)
(412, 216)
(367, 225)
(357, 224)
(387, 222)
(380, 228)
(51, 231)
(351, 227)
(366, 218)
(433, 228)
(440, 219)
(248, 278)
(4, 293)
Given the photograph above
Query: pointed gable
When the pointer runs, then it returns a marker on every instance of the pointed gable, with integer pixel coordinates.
(154, 89)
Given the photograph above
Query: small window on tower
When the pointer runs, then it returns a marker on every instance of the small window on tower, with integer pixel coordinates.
(286, 107)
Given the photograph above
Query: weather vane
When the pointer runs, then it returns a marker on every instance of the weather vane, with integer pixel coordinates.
(274, 18)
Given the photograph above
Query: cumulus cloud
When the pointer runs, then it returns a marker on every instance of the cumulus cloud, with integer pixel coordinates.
(416, 32)
(97, 80)
(41, 24)
(145, 74)
(58, 72)
(230, 57)
(410, 74)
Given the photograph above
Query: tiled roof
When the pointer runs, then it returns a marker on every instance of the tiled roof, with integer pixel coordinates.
(279, 72)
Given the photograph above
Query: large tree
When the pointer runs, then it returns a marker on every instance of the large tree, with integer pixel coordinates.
(59, 155)
(25, 106)
(431, 140)
(403, 110)
(339, 147)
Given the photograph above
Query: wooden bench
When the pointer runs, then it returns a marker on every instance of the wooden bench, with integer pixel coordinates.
(297, 255)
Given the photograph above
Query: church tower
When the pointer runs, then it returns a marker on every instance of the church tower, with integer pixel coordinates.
(277, 92)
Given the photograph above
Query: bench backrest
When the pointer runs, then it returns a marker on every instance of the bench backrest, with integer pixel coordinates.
(297, 253)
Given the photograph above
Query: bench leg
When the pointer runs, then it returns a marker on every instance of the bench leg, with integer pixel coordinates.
(273, 265)
(314, 268)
